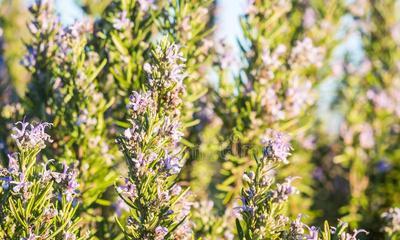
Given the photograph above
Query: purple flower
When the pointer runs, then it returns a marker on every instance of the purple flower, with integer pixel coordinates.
(383, 166)
(284, 190)
(29, 60)
(122, 22)
(171, 164)
(277, 146)
(145, 5)
(71, 188)
(13, 166)
(160, 232)
(6, 182)
(176, 190)
(305, 54)
(129, 189)
(30, 136)
(23, 185)
(318, 173)
(170, 128)
(139, 103)
(68, 181)
(312, 233)
(69, 236)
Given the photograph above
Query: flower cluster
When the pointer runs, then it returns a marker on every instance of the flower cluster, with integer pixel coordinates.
(261, 209)
(306, 54)
(29, 136)
(261, 214)
(37, 199)
(277, 146)
(153, 154)
(44, 25)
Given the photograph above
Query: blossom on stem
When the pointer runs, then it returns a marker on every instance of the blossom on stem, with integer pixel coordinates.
(277, 146)
(30, 136)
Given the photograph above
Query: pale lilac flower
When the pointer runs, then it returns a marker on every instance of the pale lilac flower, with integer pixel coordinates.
(122, 22)
(170, 128)
(308, 142)
(146, 5)
(305, 54)
(68, 179)
(174, 55)
(313, 233)
(318, 173)
(185, 25)
(29, 60)
(69, 236)
(271, 59)
(160, 232)
(176, 190)
(30, 136)
(147, 68)
(184, 205)
(85, 119)
(277, 146)
(245, 208)
(141, 163)
(13, 166)
(163, 196)
(133, 133)
(128, 190)
(23, 185)
(171, 164)
(228, 235)
(71, 188)
(139, 103)
(284, 190)
(206, 46)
